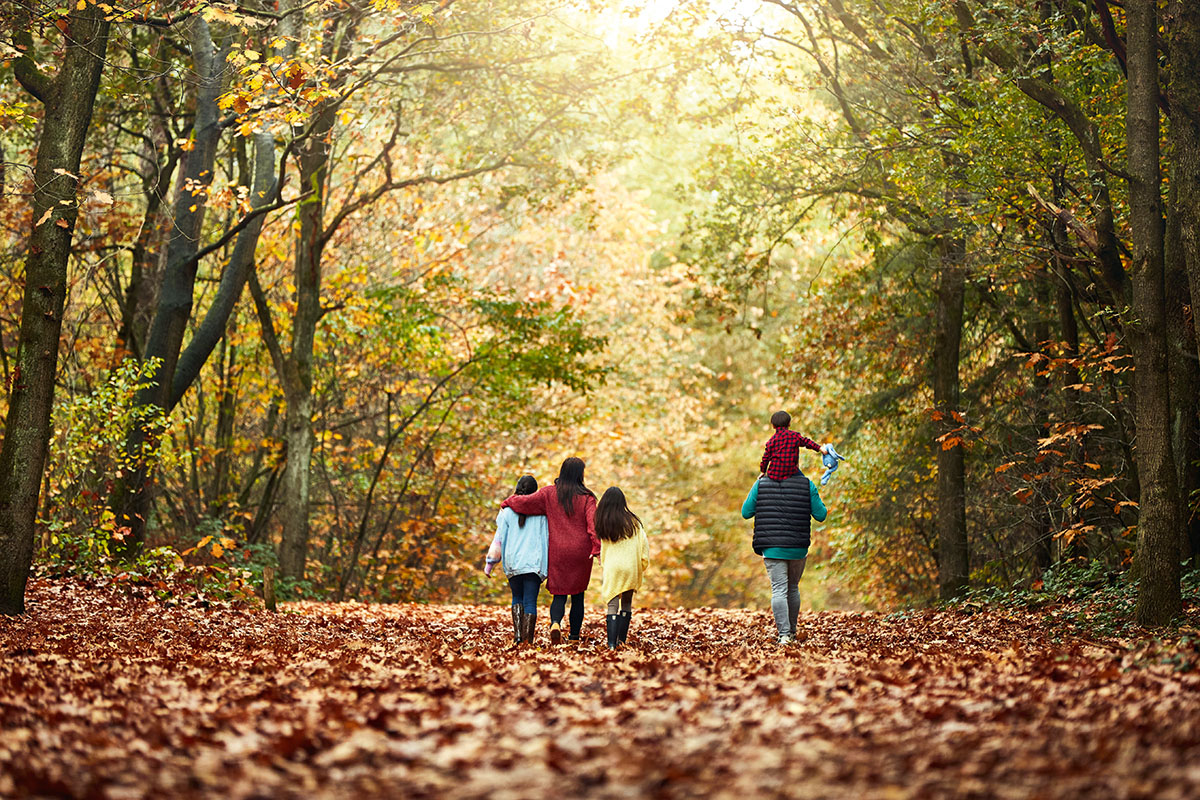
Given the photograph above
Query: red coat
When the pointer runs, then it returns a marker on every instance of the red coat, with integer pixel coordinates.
(573, 541)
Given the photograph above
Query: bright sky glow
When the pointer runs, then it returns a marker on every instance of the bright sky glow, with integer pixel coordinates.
(632, 18)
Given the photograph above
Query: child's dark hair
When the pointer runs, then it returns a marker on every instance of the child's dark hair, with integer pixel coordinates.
(569, 483)
(614, 520)
(781, 419)
(526, 484)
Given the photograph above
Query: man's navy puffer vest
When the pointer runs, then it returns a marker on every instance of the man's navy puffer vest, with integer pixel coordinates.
(782, 513)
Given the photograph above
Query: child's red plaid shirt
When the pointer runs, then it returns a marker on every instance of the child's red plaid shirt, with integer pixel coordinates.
(782, 453)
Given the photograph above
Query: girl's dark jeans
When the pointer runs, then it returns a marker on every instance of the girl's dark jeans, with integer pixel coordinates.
(525, 588)
(559, 604)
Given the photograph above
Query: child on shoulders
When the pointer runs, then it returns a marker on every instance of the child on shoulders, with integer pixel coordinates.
(781, 456)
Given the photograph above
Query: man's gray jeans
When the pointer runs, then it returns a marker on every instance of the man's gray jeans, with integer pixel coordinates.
(785, 591)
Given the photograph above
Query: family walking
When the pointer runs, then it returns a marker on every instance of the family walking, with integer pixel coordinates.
(555, 533)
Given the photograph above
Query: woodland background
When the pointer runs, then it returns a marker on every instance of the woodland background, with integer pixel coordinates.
(325, 277)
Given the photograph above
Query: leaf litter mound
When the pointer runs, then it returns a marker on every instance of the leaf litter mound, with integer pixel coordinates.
(107, 694)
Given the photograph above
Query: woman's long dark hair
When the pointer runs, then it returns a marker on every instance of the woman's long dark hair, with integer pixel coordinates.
(569, 483)
(526, 484)
(614, 520)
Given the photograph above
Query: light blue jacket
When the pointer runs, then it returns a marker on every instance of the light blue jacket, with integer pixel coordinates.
(521, 549)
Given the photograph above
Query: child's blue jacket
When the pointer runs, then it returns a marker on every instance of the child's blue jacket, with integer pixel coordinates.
(521, 549)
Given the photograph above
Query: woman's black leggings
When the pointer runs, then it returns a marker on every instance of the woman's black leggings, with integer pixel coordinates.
(559, 604)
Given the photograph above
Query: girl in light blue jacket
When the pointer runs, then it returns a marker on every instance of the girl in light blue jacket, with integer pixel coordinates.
(521, 543)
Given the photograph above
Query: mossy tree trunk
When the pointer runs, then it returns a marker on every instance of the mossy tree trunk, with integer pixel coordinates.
(1158, 509)
(68, 99)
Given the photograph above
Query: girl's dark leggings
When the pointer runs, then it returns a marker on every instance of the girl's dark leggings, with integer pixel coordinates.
(559, 604)
(525, 589)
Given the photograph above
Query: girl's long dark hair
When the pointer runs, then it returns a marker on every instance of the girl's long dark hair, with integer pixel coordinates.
(526, 484)
(614, 520)
(569, 483)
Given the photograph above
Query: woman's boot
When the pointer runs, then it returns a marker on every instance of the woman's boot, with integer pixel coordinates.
(623, 621)
(612, 622)
(528, 626)
(518, 613)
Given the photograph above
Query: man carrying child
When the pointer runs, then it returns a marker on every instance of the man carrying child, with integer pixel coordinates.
(783, 503)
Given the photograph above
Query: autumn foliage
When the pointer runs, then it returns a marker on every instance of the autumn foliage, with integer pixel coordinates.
(106, 693)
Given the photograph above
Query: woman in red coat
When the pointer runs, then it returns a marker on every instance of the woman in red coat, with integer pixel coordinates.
(570, 510)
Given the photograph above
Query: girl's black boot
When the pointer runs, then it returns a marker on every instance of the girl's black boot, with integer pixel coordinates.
(528, 626)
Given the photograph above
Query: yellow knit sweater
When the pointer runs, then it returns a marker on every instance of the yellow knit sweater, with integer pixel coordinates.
(623, 563)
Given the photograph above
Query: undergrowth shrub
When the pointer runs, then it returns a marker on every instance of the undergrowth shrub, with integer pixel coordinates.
(88, 452)
(1090, 599)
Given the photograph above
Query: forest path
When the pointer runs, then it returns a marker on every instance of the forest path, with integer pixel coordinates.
(104, 694)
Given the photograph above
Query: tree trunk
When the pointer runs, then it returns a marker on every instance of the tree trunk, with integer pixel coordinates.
(218, 488)
(130, 499)
(1182, 32)
(294, 486)
(1184, 370)
(179, 370)
(313, 160)
(1075, 408)
(953, 557)
(1041, 535)
(1182, 26)
(144, 257)
(234, 276)
(1041, 516)
(1158, 518)
(68, 100)
(191, 200)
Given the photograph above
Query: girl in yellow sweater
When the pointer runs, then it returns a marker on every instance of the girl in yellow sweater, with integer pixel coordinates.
(624, 556)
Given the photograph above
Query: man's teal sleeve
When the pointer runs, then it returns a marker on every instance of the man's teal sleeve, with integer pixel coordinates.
(819, 512)
(750, 501)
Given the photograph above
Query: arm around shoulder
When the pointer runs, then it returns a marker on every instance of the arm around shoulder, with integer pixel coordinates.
(589, 513)
(527, 503)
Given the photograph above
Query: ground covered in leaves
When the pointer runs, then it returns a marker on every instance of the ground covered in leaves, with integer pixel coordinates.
(105, 694)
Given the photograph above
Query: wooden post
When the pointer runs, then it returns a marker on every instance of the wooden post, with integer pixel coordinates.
(269, 588)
